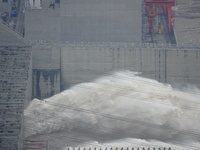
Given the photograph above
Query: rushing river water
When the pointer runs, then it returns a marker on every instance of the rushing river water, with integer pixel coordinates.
(122, 109)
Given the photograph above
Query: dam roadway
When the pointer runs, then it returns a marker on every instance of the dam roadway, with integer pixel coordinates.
(85, 21)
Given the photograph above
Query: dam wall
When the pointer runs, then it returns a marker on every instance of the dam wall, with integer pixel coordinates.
(15, 89)
(70, 64)
(46, 71)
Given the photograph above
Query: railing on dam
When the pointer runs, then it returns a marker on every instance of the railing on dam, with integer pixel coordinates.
(115, 44)
(121, 148)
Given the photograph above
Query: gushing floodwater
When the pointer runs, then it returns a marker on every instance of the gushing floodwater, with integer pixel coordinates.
(122, 106)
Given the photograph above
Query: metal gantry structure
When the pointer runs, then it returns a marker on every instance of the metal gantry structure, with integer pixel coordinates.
(160, 9)
(152, 11)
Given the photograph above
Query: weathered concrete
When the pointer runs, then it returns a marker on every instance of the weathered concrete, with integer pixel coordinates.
(46, 71)
(186, 21)
(45, 83)
(85, 62)
(46, 57)
(43, 24)
(15, 91)
(85, 21)
(101, 21)
(165, 64)
(10, 37)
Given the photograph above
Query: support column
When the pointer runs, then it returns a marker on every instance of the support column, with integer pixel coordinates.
(169, 12)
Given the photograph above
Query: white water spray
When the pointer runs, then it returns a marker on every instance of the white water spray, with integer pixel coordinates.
(122, 103)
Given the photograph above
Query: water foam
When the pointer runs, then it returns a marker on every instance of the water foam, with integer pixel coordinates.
(122, 103)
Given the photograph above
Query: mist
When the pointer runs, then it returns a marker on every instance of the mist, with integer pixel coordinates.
(122, 105)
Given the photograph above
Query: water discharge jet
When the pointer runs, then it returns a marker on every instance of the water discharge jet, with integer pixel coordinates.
(122, 105)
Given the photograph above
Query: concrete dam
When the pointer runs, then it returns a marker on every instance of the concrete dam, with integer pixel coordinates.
(60, 66)
(77, 42)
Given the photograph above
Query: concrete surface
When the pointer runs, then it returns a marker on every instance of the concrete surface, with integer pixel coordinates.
(9, 37)
(15, 91)
(187, 21)
(46, 71)
(79, 63)
(164, 64)
(85, 21)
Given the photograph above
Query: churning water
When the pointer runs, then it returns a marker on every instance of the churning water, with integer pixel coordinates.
(127, 108)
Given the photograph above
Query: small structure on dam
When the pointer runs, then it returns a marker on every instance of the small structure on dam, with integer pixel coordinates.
(158, 24)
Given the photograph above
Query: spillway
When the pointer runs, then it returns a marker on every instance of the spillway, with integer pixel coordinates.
(116, 107)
